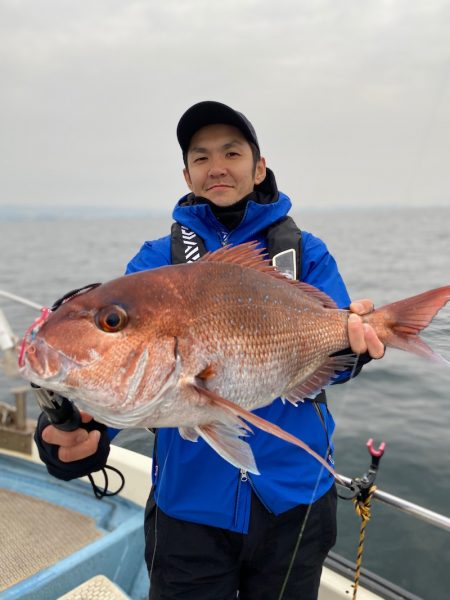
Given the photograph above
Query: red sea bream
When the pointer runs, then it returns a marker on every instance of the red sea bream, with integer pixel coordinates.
(197, 346)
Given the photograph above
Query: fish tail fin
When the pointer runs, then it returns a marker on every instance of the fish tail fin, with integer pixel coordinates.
(398, 324)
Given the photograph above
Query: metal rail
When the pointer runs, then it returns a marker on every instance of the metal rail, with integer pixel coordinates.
(419, 512)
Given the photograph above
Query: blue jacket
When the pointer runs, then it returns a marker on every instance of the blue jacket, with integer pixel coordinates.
(191, 481)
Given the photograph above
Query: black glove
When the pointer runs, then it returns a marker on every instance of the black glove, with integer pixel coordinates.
(79, 468)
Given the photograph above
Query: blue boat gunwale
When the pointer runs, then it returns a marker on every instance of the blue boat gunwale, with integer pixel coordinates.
(32, 479)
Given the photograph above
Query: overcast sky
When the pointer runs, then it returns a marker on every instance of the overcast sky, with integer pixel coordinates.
(350, 98)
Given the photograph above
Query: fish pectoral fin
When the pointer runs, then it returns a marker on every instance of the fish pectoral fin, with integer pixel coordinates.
(188, 433)
(323, 376)
(261, 423)
(208, 372)
(225, 439)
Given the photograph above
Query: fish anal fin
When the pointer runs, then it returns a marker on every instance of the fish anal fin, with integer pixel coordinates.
(323, 376)
(225, 439)
(188, 433)
(261, 423)
(251, 255)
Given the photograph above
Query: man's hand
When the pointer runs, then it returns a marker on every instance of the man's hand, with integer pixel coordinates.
(73, 445)
(362, 336)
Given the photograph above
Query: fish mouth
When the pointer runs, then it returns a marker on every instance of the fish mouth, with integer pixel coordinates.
(43, 364)
(52, 369)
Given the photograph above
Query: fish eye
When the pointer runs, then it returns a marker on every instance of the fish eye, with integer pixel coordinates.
(111, 319)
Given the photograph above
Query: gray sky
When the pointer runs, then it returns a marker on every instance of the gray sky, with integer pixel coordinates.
(350, 98)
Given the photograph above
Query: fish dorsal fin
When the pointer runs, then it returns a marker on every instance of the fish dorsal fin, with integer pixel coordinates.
(251, 256)
(317, 294)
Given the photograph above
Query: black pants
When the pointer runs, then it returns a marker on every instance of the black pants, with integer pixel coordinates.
(187, 561)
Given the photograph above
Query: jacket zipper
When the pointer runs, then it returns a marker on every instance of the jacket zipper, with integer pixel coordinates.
(243, 478)
(247, 477)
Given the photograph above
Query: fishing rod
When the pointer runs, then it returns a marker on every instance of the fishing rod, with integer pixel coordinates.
(20, 300)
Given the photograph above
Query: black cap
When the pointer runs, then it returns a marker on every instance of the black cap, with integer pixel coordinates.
(212, 113)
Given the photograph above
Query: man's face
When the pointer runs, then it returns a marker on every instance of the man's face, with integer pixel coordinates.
(220, 165)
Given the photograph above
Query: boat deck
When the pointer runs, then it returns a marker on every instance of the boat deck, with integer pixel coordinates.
(51, 528)
(51, 532)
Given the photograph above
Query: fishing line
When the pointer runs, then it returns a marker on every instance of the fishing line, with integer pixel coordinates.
(163, 470)
(308, 511)
(300, 536)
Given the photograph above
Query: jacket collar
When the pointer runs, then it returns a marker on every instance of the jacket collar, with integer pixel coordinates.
(265, 206)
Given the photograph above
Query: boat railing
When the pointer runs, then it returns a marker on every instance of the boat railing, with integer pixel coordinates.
(419, 512)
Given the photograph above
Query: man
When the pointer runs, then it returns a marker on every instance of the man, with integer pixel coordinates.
(211, 529)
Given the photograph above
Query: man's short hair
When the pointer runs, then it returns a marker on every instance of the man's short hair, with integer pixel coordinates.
(213, 113)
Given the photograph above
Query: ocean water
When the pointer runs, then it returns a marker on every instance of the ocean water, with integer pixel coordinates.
(402, 400)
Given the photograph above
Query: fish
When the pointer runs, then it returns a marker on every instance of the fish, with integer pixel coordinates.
(199, 346)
